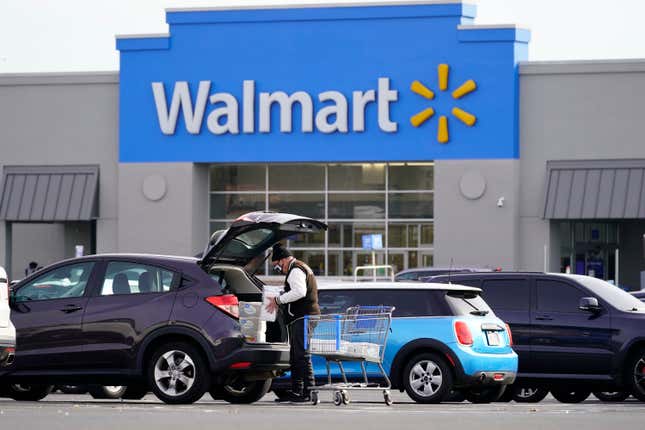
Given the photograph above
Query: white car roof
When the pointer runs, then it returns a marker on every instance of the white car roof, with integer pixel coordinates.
(395, 286)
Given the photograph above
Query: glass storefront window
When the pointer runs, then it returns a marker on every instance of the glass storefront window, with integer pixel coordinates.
(349, 235)
(363, 177)
(231, 206)
(307, 240)
(394, 200)
(238, 178)
(359, 206)
(427, 234)
(296, 177)
(411, 177)
(315, 260)
(403, 235)
(311, 205)
(411, 205)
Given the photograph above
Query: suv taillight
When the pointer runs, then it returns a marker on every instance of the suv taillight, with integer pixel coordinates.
(462, 331)
(227, 303)
(510, 335)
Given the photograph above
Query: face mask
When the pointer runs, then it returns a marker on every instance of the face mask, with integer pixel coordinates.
(277, 268)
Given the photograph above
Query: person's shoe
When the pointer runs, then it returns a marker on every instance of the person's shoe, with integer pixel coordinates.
(289, 396)
(301, 399)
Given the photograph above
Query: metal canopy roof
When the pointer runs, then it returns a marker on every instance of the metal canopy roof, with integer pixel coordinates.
(49, 193)
(595, 189)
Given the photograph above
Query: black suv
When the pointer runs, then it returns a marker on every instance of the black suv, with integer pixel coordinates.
(574, 334)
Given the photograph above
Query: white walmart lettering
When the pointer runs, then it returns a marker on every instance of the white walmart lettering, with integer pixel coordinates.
(224, 117)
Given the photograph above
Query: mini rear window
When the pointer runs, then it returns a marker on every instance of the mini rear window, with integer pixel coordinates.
(467, 303)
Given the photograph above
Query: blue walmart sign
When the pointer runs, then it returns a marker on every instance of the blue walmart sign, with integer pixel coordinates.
(355, 83)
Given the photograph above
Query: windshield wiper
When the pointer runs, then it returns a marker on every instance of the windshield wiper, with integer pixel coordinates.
(479, 312)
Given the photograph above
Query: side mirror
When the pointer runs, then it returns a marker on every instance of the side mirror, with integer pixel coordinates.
(589, 304)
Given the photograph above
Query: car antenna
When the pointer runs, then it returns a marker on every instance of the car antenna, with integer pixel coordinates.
(450, 271)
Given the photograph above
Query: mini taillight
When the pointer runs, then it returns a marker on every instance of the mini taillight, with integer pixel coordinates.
(498, 377)
(510, 335)
(462, 331)
(227, 303)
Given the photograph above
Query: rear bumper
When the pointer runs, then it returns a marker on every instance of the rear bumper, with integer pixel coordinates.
(490, 378)
(255, 360)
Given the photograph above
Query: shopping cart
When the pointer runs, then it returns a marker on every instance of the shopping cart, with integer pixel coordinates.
(358, 335)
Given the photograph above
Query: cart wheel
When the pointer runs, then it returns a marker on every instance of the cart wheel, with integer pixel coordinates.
(346, 398)
(387, 397)
(338, 398)
(314, 398)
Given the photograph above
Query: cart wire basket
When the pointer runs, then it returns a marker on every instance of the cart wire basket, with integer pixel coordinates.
(359, 335)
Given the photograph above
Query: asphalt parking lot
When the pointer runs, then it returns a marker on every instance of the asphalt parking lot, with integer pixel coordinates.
(365, 411)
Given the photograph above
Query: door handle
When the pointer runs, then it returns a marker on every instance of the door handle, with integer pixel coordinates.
(544, 318)
(71, 308)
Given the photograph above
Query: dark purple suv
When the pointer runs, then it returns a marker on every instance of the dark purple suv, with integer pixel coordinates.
(169, 324)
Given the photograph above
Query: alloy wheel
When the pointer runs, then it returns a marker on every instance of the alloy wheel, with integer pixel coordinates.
(639, 374)
(175, 373)
(425, 378)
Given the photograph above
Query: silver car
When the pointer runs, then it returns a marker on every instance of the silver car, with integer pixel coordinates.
(7, 330)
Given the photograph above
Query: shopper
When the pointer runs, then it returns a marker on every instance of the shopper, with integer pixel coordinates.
(299, 298)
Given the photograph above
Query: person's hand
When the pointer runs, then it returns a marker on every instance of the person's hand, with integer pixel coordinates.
(272, 306)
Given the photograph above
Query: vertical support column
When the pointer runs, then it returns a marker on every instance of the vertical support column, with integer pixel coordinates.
(7, 252)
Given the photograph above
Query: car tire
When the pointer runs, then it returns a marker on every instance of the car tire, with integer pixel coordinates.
(28, 393)
(106, 391)
(611, 396)
(427, 378)
(485, 393)
(570, 396)
(178, 374)
(240, 392)
(135, 392)
(528, 394)
(636, 374)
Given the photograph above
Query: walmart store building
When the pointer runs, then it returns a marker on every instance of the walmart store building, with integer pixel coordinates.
(401, 120)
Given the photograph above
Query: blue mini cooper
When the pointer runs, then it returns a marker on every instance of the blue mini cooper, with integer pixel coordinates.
(444, 341)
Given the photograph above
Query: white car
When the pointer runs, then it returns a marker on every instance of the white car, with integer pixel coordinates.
(7, 330)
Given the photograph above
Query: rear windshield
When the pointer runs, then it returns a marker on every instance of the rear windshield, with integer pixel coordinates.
(467, 303)
(246, 244)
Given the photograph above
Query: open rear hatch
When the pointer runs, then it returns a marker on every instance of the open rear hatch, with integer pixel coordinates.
(229, 252)
(252, 234)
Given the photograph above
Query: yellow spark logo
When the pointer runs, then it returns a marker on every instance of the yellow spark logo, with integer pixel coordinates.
(467, 118)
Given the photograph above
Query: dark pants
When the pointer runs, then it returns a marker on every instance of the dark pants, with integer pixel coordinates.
(302, 372)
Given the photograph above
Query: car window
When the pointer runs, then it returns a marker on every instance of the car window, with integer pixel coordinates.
(61, 283)
(467, 303)
(336, 301)
(507, 294)
(556, 296)
(407, 276)
(133, 278)
(407, 303)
